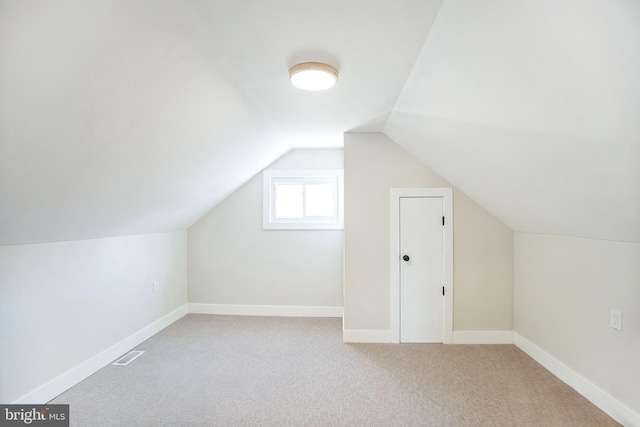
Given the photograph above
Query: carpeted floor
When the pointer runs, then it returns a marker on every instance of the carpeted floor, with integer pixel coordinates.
(268, 371)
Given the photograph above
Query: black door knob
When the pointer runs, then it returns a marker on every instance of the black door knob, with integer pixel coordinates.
(406, 258)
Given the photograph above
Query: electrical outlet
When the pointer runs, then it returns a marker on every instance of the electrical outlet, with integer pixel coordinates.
(155, 286)
(615, 320)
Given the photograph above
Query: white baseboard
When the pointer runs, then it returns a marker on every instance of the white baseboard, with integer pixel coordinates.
(459, 337)
(65, 381)
(266, 310)
(371, 336)
(603, 400)
(482, 337)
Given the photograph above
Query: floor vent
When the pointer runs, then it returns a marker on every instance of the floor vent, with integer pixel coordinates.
(128, 358)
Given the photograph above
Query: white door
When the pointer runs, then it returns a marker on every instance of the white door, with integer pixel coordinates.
(421, 270)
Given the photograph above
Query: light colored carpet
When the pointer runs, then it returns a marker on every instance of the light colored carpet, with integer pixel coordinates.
(266, 371)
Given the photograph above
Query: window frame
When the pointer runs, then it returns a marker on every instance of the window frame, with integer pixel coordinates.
(271, 177)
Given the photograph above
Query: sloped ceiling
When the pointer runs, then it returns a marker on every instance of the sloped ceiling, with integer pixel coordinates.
(126, 117)
(532, 108)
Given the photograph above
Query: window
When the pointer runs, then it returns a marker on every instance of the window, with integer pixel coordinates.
(303, 199)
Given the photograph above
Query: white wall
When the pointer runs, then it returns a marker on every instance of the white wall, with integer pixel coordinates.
(564, 290)
(63, 303)
(232, 260)
(483, 246)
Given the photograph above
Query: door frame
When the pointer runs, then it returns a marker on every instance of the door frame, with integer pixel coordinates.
(446, 193)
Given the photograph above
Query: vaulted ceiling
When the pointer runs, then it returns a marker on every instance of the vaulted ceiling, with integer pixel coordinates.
(127, 117)
(533, 109)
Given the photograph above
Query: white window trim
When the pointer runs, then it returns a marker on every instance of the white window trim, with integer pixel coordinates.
(271, 175)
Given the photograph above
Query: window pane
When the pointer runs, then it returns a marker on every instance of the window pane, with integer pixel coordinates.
(319, 200)
(288, 200)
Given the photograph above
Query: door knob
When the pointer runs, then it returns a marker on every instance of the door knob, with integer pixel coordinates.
(406, 258)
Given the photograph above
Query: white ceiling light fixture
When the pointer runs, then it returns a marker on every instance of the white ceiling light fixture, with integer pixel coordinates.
(313, 76)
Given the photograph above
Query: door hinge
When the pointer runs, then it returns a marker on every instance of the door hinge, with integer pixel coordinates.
(442, 220)
(443, 291)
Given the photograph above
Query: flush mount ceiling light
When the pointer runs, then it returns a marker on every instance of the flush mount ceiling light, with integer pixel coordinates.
(313, 76)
